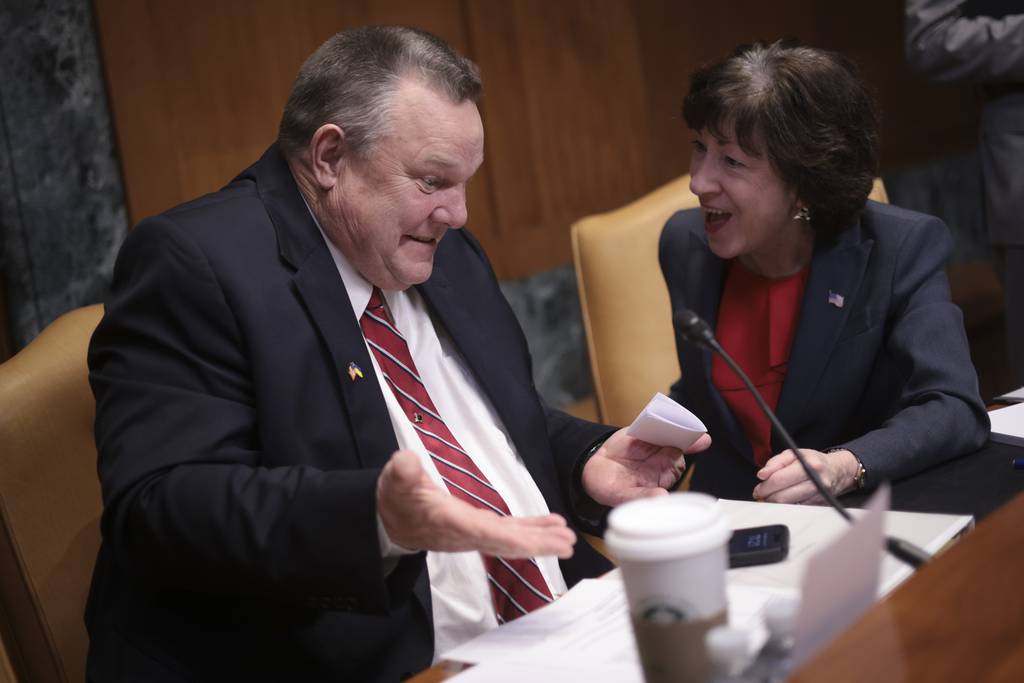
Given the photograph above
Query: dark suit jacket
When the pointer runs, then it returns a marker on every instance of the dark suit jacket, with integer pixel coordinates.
(887, 375)
(239, 461)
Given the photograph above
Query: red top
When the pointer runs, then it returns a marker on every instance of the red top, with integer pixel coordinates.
(757, 320)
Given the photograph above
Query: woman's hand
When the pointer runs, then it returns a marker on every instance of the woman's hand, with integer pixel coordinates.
(783, 480)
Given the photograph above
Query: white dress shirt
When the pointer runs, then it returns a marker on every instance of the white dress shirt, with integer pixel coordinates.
(462, 607)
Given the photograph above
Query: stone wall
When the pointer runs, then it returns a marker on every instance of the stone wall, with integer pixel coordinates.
(62, 212)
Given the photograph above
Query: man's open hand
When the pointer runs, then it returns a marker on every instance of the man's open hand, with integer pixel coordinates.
(419, 515)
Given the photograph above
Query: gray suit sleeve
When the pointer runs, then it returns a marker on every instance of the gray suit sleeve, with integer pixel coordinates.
(938, 414)
(945, 45)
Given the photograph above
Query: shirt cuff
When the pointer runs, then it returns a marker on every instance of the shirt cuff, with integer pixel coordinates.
(389, 548)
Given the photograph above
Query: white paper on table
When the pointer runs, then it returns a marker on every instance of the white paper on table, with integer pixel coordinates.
(592, 609)
(663, 422)
(587, 628)
(811, 527)
(517, 672)
(841, 581)
(1015, 396)
(1008, 425)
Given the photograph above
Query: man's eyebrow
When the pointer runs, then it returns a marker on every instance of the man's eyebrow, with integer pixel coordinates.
(438, 160)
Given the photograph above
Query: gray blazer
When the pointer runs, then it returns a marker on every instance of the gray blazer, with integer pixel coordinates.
(887, 375)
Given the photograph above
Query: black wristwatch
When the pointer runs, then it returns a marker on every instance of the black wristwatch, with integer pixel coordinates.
(586, 508)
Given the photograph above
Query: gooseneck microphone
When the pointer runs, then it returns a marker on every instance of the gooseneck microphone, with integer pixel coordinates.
(696, 331)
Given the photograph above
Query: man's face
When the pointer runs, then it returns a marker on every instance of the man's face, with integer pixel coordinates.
(388, 212)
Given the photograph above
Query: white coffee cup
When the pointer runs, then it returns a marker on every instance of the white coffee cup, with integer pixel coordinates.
(672, 551)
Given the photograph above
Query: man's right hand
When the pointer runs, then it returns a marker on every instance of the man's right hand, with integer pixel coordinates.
(419, 515)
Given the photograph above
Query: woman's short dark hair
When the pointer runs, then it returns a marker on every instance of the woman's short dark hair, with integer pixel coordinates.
(804, 109)
(350, 80)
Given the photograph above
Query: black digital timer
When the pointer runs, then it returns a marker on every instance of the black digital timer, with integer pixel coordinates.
(758, 545)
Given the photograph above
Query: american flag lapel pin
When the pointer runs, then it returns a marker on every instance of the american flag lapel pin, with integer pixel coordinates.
(354, 372)
(835, 299)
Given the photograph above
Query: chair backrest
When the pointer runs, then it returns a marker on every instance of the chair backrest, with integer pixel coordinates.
(49, 500)
(6, 668)
(626, 310)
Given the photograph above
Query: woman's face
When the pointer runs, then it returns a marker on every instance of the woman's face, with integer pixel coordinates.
(748, 209)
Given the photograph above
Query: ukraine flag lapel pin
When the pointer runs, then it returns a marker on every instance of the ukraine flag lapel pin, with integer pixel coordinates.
(354, 372)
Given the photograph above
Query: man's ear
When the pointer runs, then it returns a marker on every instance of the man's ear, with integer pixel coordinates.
(328, 154)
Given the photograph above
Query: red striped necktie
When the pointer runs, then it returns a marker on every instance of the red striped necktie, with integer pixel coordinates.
(517, 586)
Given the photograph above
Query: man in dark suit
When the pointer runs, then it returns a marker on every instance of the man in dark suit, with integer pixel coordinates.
(306, 380)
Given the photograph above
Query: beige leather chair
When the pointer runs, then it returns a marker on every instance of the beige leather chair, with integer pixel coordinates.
(6, 668)
(49, 502)
(626, 311)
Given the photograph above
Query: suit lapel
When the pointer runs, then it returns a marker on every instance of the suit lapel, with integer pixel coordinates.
(704, 287)
(469, 334)
(704, 281)
(319, 285)
(332, 314)
(838, 270)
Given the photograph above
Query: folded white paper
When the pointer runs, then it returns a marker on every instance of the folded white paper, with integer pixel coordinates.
(663, 422)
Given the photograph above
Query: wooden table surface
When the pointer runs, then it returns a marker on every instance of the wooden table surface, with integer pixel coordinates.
(959, 618)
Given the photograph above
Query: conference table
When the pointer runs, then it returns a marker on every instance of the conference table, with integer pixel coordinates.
(961, 616)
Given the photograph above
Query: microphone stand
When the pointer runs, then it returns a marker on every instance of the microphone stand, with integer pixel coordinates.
(698, 332)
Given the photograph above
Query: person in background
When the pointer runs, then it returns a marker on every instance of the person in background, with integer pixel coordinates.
(837, 307)
(983, 41)
(321, 451)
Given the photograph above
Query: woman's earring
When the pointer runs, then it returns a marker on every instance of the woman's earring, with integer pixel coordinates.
(804, 214)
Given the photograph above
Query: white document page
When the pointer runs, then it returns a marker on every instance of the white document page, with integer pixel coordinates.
(663, 422)
(518, 672)
(841, 580)
(1008, 425)
(589, 627)
(591, 616)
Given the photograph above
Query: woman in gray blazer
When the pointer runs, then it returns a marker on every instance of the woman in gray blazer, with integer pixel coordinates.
(838, 307)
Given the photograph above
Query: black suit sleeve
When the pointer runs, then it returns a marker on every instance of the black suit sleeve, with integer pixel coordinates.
(189, 502)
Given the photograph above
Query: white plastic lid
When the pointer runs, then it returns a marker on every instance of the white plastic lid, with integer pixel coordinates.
(728, 648)
(675, 525)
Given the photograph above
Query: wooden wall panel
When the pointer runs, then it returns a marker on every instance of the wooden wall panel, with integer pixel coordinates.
(581, 97)
(675, 39)
(197, 87)
(565, 136)
(920, 120)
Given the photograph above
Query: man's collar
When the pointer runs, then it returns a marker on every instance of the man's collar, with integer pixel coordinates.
(357, 286)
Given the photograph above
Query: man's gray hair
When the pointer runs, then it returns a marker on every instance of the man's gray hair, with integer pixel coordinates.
(349, 81)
